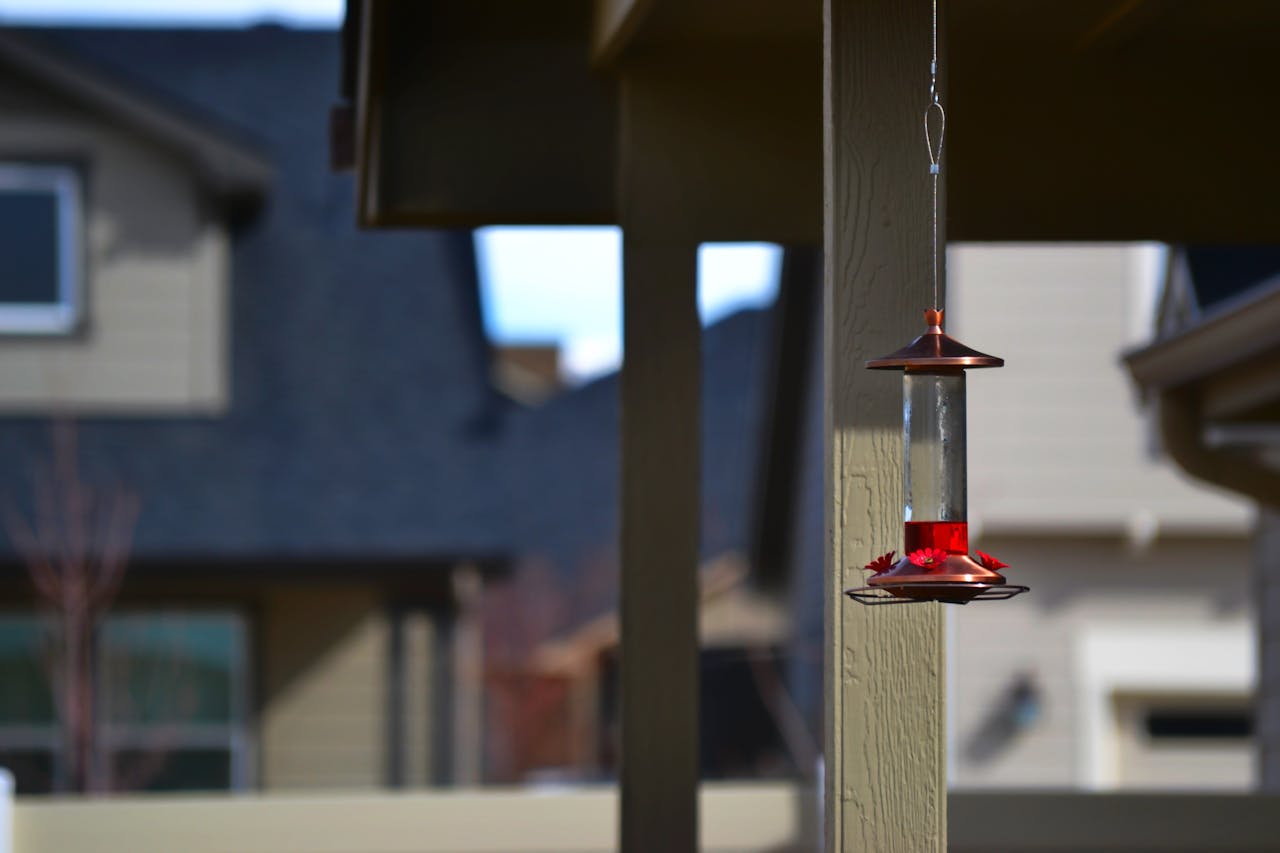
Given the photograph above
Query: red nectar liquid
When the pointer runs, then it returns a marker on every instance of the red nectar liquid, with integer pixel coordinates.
(949, 536)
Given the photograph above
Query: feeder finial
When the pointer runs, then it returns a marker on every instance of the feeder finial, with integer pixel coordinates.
(933, 317)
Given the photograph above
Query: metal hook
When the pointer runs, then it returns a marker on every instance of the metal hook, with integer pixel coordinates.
(935, 155)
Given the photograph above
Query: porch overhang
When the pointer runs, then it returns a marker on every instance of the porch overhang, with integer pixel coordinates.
(1069, 120)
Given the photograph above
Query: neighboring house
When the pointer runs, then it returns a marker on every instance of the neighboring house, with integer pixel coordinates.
(303, 410)
(1130, 663)
(1211, 380)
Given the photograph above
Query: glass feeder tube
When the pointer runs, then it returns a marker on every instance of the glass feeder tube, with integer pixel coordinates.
(934, 473)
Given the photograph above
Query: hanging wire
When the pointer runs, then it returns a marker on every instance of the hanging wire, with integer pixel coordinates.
(935, 150)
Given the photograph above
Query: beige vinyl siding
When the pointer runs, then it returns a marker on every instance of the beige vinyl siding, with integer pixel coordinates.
(1058, 440)
(323, 711)
(154, 332)
(1077, 584)
(1066, 483)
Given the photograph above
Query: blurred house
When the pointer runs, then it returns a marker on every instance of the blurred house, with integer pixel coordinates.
(1210, 376)
(1131, 663)
(304, 412)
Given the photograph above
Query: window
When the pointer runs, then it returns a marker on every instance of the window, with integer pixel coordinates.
(1207, 723)
(29, 733)
(40, 249)
(171, 702)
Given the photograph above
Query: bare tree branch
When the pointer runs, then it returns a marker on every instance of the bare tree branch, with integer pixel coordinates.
(76, 550)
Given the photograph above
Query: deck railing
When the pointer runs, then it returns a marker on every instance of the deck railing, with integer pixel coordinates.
(774, 818)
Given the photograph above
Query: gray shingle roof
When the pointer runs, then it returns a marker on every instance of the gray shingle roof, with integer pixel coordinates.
(564, 507)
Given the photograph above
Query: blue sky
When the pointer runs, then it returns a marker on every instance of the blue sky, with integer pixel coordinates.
(300, 12)
(565, 285)
(538, 284)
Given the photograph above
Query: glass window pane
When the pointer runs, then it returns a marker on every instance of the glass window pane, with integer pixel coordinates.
(25, 697)
(171, 770)
(177, 668)
(29, 246)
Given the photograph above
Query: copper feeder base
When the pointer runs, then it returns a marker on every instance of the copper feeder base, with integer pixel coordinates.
(959, 580)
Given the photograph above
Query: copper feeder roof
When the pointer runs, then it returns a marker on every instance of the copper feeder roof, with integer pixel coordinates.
(934, 348)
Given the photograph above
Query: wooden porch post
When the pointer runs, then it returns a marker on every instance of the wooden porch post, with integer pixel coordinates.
(885, 740)
(661, 506)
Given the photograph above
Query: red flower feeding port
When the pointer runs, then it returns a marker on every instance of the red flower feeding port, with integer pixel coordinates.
(936, 565)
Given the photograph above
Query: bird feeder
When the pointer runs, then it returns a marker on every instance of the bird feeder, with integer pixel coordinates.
(936, 565)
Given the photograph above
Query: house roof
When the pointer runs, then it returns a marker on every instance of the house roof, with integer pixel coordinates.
(1226, 345)
(565, 463)
(224, 159)
(361, 423)
(1217, 274)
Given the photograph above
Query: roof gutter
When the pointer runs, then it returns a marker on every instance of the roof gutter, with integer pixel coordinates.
(1177, 373)
(1236, 331)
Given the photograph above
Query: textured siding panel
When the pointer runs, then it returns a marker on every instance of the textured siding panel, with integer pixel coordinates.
(1076, 584)
(1058, 440)
(324, 678)
(154, 332)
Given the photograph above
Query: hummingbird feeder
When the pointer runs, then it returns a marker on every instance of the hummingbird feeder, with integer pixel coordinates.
(935, 565)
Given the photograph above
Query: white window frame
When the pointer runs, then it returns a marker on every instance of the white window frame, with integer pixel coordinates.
(63, 317)
(1188, 660)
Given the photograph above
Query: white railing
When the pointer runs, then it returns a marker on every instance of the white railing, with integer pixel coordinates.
(773, 818)
(6, 811)
(733, 818)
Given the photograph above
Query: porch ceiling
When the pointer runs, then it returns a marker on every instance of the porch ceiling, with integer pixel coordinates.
(1069, 120)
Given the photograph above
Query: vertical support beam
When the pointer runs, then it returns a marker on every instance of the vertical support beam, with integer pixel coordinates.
(660, 520)
(468, 673)
(444, 686)
(660, 487)
(395, 710)
(1266, 571)
(885, 738)
(417, 698)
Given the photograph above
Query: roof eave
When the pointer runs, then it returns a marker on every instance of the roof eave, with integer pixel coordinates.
(1224, 339)
(229, 168)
